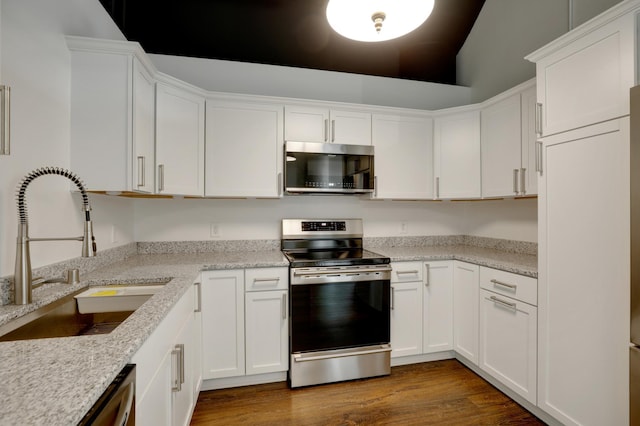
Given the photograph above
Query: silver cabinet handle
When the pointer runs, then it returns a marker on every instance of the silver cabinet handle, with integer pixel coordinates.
(141, 172)
(160, 177)
(284, 306)
(437, 187)
(262, 280)
(333, 131)
(5, 120)
(178, 379)
(199, 298)
(375, 186)
(503, 284)
(393, 292)
(326, 129)
(515, 181)
(279, 183)
(426, 274)
(538, 118)
(523, 181)
(503, 303)
(539, 157)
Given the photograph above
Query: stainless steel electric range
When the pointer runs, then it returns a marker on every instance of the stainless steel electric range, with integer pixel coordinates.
(339, 302)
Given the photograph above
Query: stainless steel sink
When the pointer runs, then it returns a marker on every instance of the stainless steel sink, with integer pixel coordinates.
(62, 319)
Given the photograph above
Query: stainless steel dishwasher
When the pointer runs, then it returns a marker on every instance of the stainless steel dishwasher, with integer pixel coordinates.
(116, 406)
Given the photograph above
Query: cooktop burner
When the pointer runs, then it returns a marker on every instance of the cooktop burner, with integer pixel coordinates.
(335, 258)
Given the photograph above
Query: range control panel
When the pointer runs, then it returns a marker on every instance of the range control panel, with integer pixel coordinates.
(334, 226)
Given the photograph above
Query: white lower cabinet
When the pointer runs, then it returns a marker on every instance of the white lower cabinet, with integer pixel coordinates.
(422, 308)
(508, 331)
(167, 378)
(465, 309)
(245, 322)
(437, 307)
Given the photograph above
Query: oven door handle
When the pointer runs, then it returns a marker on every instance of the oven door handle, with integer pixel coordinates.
(341, 271)
(304, 358)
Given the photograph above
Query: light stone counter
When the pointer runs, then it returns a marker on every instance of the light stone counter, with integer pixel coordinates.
(56, 381)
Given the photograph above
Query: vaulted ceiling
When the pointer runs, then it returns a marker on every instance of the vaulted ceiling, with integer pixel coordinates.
(294, 33)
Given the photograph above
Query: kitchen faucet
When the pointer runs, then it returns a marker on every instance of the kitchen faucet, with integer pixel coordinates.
(23, 284)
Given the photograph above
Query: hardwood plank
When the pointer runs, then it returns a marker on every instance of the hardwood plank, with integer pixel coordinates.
(440, 392)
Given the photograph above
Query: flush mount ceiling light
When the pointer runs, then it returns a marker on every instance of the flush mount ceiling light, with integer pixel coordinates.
(377, 20)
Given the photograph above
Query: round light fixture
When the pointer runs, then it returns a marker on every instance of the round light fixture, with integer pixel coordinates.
(377, 20)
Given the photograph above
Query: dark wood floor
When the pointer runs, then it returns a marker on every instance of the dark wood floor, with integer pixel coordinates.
(441, 392)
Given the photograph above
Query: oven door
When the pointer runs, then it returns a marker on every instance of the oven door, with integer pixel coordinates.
(339, 310)
(328, 168)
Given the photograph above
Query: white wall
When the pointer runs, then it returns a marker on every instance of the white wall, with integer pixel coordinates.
(492, 58)
(271, 80)
(178, 220)
(35, 63)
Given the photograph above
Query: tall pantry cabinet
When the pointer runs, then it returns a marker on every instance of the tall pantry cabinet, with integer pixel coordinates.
(583, 81)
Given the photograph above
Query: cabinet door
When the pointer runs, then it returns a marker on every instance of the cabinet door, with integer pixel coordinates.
(304, 124)
(529, 152)
(583, 278)
(243, 150)
(267, 337)
(406, 319)
(144, 142)
(350, 127)
(404, 157)
(587, 80)
(457, 155)
(223, 324)
(183, 402)
(465, 310)
(154, 408)
(501, 141)
(437, 307)
(179, 141)
(508, 348)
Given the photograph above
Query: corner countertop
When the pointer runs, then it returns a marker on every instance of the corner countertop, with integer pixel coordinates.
(56, 381)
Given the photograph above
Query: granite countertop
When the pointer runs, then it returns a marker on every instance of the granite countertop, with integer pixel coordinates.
(55, 381)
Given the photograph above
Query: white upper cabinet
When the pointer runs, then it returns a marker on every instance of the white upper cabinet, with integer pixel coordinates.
(179, 140)
(584, 77)
(403, 156)
(509, 143)
(244, 144)
(144, 138)
(457, 154)
(310, 124)
(112, 115)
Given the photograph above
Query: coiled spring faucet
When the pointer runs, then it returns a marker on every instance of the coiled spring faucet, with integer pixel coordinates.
(22, 277)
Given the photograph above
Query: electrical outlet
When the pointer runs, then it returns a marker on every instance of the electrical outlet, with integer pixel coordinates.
(215, 229)
(404, 226)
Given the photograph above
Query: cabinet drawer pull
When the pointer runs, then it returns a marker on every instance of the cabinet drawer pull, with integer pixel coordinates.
(333, 131)
(437, 187)
(538, 118)
(265, 280)
(326, 129)
(503, 284)
(503, 303)
(515, 180)
(393, 291)
(523, 181)
(539, 157)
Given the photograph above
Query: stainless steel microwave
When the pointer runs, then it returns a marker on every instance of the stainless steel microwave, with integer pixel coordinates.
(326, 168)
